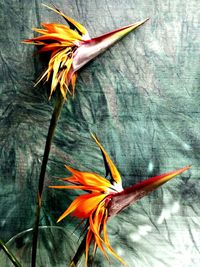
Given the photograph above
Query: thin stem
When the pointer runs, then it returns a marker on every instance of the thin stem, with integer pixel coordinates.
(79, 253)
(54, 119)
(9, 254)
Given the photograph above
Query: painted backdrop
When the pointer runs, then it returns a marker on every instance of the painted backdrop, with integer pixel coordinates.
(141, 98)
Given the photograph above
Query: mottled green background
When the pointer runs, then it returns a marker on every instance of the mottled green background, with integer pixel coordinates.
(142, 99)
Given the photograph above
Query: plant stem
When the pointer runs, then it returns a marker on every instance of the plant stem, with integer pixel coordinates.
(54, 119)
(9, 254)
(79, 253)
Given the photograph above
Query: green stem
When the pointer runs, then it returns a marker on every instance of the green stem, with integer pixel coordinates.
(9, 254)
(54, 119)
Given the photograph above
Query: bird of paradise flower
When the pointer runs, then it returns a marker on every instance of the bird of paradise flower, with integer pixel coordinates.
(104, 199)
(71, 48)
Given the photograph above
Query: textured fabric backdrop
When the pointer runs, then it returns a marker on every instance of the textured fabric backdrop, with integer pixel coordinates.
(141, 98)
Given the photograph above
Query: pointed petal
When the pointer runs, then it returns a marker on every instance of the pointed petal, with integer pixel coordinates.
(55, 76)
(83, 205)
(133, 193)
(95, 225)
(80, 28)
(88, 205)
(71, 208)
(53, 47)
(56, 37)
(89, 179)
(42, 77)
(93, 47)
(110, 165)
(73, 82)
(95, 220)
(88, 242)
(63, 30)
(106, 240)
(41, 31)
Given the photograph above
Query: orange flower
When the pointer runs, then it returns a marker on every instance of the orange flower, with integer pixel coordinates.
(71, 48)
(105, 199)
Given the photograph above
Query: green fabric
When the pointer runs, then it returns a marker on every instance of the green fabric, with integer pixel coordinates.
(141, 98)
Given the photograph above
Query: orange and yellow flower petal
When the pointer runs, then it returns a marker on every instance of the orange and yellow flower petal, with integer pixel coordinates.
(80, 27)
(87, 246)
(113, 170)
(106, 240)
(90, 179)
(73, 82)
(83, 205)
(95, 221)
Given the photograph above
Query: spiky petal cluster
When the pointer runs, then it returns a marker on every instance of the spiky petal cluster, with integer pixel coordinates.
(61, 42)
(93, 205)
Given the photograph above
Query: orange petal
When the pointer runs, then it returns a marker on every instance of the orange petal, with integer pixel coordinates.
(107, 243)
(73, 82)
(97, 238)
(55, 37)
(54, 47)
(90, 179)
(88, 205)
(113, 170)
(88, 242)
(61, 29)
(80, 27)
(83, 205)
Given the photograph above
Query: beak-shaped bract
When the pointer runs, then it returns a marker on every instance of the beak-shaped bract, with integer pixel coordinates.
(105, 198)
(130, 195)
(70, 49)
(95, 46)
